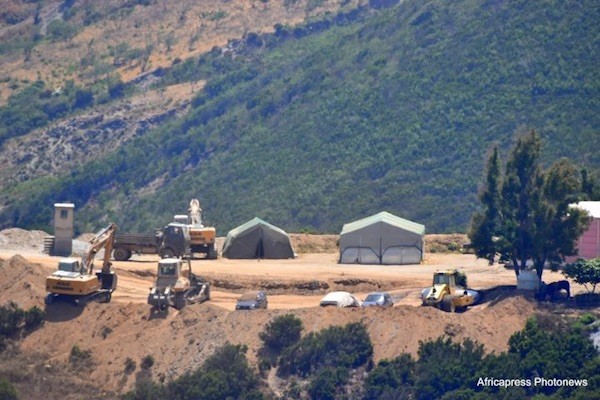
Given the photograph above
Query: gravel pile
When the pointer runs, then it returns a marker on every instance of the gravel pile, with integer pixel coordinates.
(17, 238)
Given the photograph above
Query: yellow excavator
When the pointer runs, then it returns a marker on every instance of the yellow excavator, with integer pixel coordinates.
(77, 281)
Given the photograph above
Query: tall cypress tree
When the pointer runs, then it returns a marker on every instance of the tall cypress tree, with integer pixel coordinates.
(485, 224)
(522, 181)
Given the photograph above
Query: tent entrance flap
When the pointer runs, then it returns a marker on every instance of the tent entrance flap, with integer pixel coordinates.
(402, 255)
(260, 248)
(359, 255)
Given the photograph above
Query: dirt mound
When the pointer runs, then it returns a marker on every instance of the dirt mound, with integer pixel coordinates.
(17, 238)
(35, 378)
(122, 333)
(181, 340)
(22, 282)
(307, 243)
(275, 286)
(446, 243)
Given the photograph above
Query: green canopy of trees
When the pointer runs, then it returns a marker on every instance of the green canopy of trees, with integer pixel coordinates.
(527, 213)
(584, 272)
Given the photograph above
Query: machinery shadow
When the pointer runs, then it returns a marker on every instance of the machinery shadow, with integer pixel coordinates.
(137, 261)
(496, 294)
(63, 310)
(157, 314)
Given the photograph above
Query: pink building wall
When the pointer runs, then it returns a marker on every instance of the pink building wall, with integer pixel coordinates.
(589, 243)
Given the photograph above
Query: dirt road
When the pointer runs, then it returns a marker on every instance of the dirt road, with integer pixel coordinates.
(300, 282)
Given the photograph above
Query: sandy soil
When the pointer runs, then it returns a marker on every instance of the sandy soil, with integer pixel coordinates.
(180, 340)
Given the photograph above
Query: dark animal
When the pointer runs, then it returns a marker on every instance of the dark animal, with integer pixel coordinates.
(552, 289)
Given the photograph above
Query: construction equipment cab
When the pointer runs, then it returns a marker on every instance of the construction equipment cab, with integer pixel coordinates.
(177, 286)
(77, 281)
(446, 294)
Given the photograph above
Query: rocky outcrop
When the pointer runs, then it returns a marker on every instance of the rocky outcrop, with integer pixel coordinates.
(66, 143)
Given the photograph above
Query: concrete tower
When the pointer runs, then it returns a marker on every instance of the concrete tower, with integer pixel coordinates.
(63, 229)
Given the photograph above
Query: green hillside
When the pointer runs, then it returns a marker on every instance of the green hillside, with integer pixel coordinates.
(392, 111)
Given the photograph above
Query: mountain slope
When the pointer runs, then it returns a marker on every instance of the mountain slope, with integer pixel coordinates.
(394, 111)
(85, 40)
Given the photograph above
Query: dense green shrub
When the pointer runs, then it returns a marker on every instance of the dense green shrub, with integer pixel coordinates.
(147, 362)
(13, 318)
(547, 347)
(390, 378)
(328, 383)
(444, 366)
(224, 375)
(79, 356)
(36, 105)
(130, 365)
(281, 332)
(348, 347)
(83, 98)
(7, 391)
(146, 389)
(59, 30)
(587, 319)
(584, 272)
(34, 317)
(561, 353)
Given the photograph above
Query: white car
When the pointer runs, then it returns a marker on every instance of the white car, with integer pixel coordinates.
(340, 299)
(380, 299)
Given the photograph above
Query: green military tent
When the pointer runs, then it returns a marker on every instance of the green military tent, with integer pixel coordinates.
(257, 239)
(382, 239)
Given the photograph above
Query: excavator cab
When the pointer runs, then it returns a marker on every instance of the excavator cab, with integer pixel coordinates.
(69, 265)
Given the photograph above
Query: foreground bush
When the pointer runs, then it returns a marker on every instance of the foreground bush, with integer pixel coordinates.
(224, 375)
(546, 348)
(281, 332)
(7, 391)
(13, 320)
(347, 347)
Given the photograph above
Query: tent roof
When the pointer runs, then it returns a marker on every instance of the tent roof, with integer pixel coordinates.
(252, 223)
(387, 218)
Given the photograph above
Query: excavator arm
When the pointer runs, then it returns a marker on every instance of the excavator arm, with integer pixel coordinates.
(102, 240)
